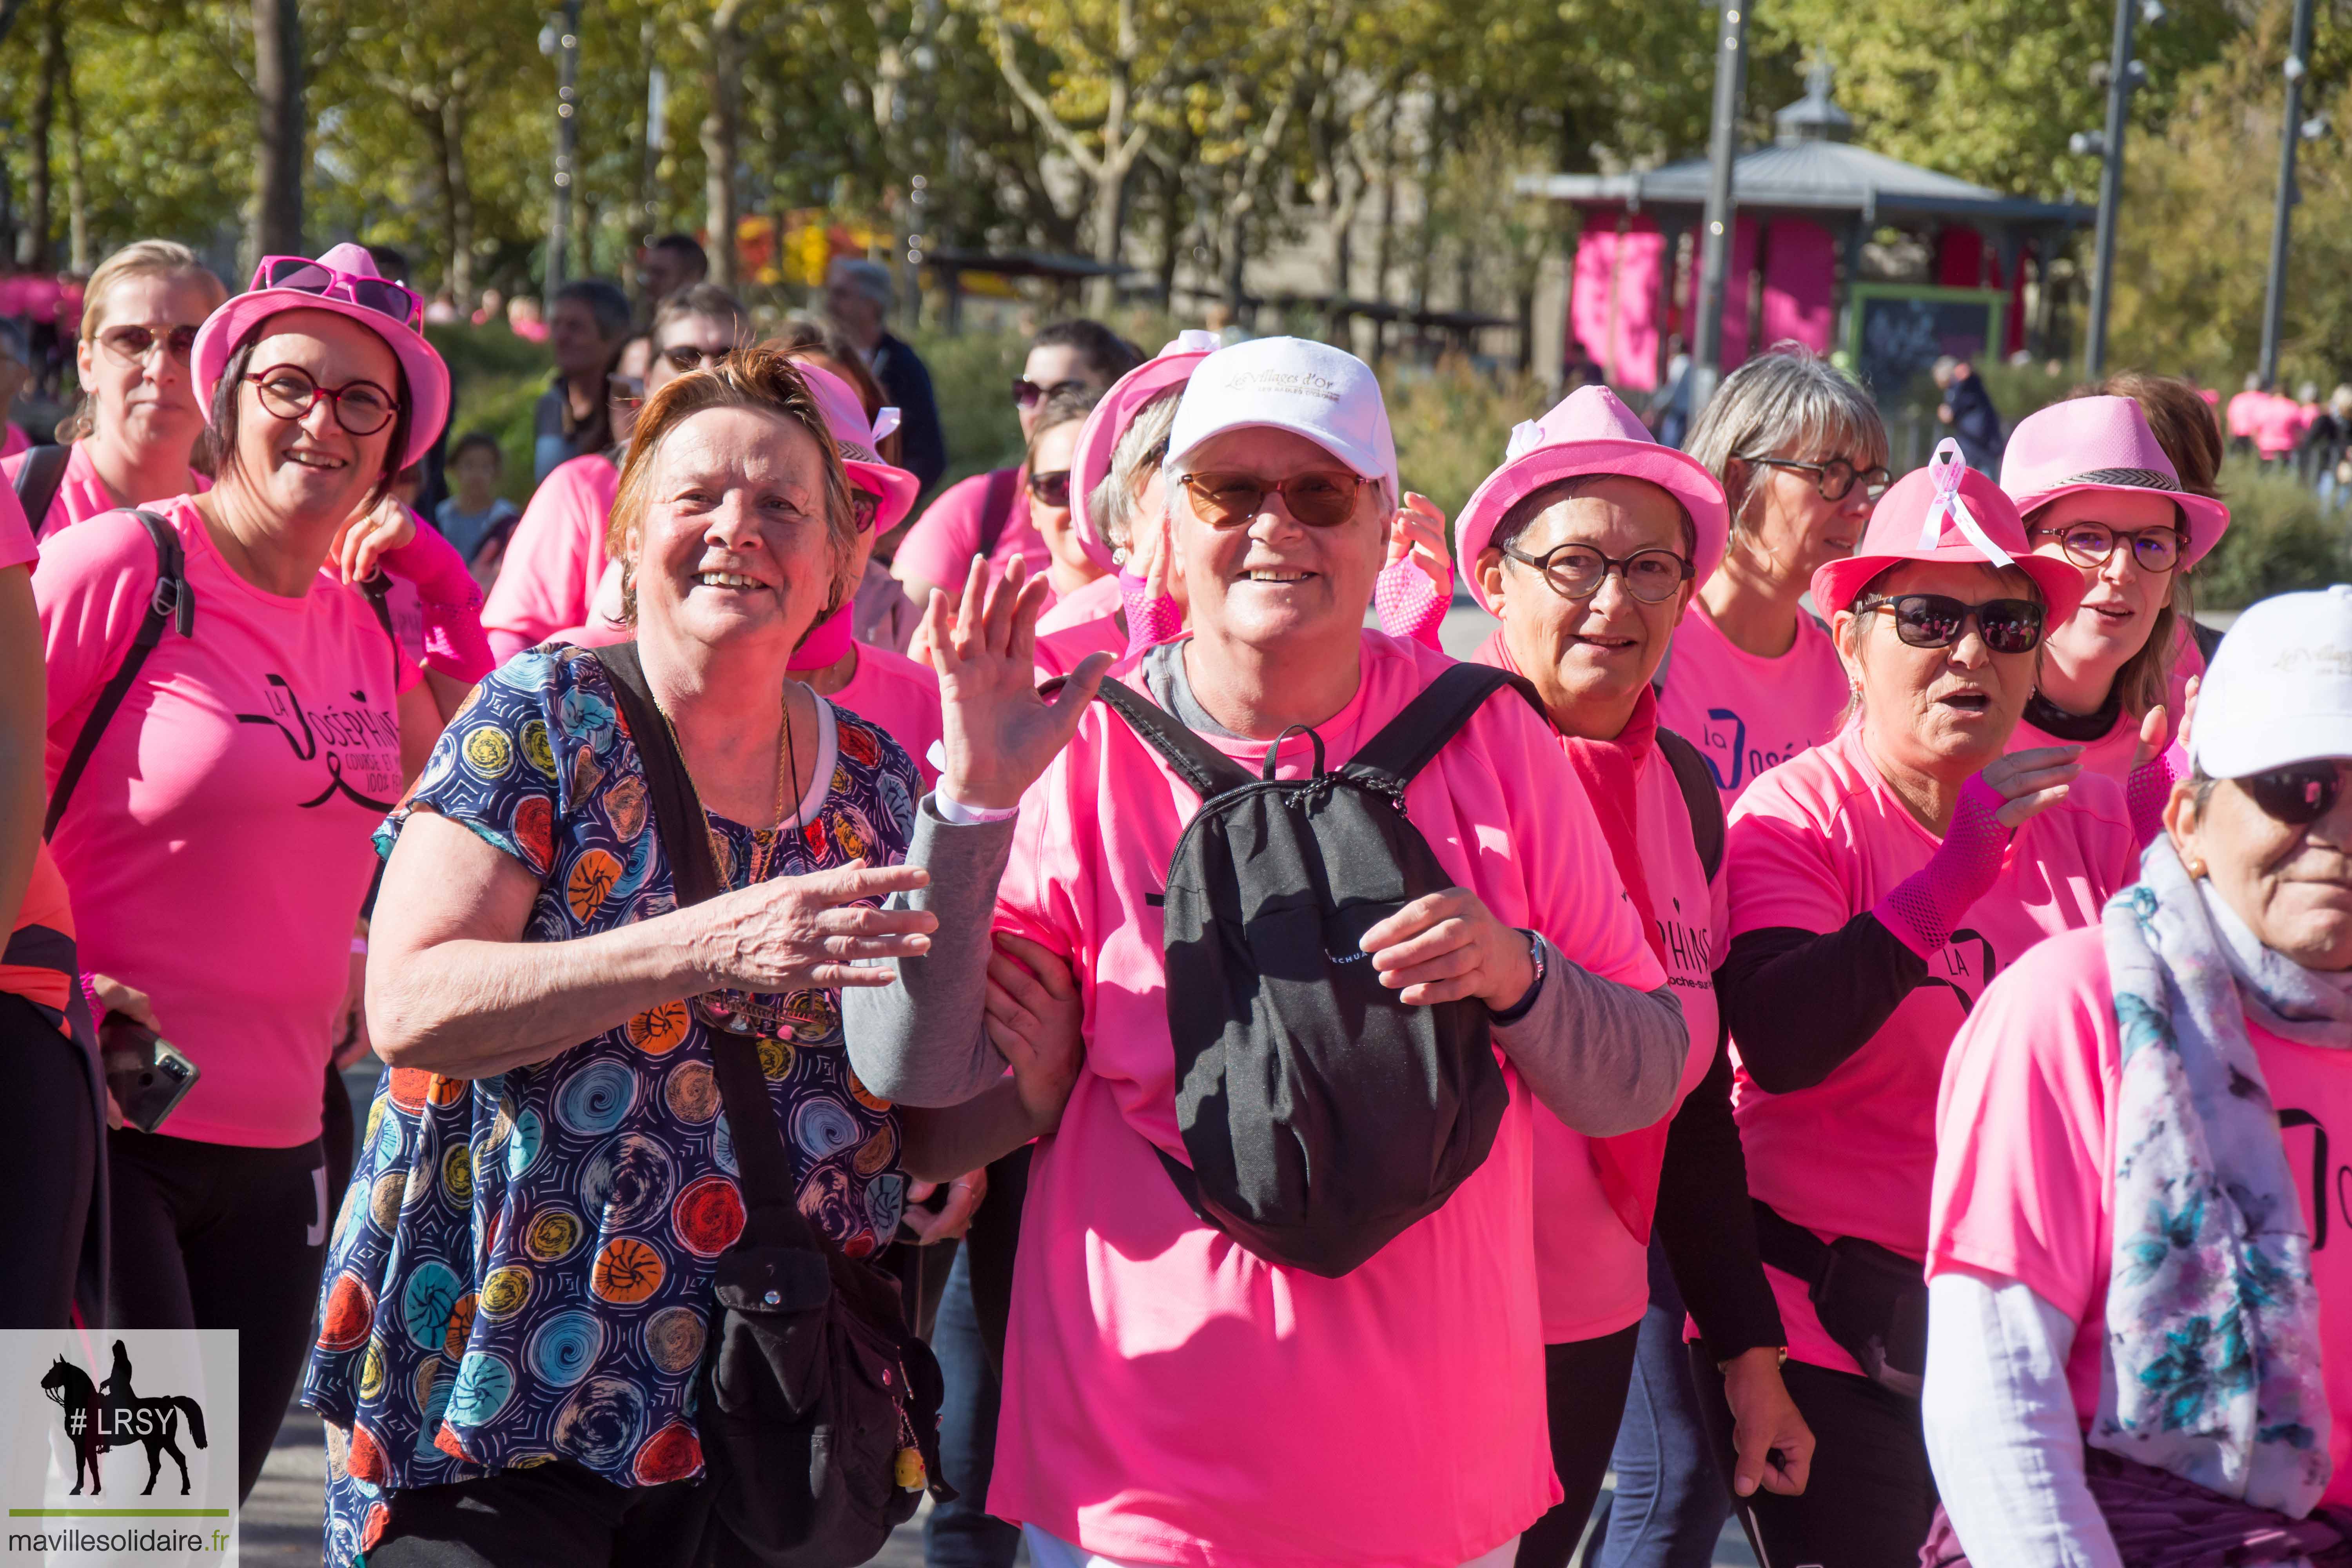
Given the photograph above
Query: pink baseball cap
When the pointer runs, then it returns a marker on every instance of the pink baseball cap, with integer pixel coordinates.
(1172, 367)
(2101, 444)
(844, 415)
(347, 270)
(1311, 389)
(1947, 511)
(1590, 431)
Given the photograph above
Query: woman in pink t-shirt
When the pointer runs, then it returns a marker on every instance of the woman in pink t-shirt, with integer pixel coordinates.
(1171, 1397)
(129, 440)
(1588, 544)
(2140, 1344)
(555, 578)
(2099, 491)
(216, 841)
(1877, 882)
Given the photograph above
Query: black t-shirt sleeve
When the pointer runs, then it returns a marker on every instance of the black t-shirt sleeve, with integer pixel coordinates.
(1799, 1003)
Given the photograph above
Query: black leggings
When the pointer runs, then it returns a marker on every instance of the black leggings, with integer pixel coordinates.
(1872, 1496)
(210, 1235)
(48, 1166)
(1584, 1394)
(559, 1514)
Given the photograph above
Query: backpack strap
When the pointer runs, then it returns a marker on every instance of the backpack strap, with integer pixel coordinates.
(377, 589)
(766, 1171)
(38, 478)
(1699, 795)
(170, 602)
(1407, 742)
(1207, 769)
(996, 508)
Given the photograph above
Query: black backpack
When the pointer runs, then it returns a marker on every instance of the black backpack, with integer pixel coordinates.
(1321, 1115)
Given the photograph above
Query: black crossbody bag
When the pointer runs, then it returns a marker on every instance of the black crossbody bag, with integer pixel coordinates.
(813, 1397)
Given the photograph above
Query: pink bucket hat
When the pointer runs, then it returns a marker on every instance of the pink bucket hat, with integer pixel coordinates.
(1172, 367)
(844, 415)
(2101, 444)
(1589, 432)
(1947, 511)
(343, 282)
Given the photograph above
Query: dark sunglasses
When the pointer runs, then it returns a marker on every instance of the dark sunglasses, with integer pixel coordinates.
(1027, 394)
(1050, 490)
(2298, 795)
(385, 298)
(1325, 498)
(135, 343)
(688, 357)
(2090, 545)
(361, 407)
(1834, 479)
(1932, 620)
(1577, 571)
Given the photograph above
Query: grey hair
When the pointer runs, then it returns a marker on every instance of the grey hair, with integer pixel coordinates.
(1786, 402)
(1141, 448)
(860, 276)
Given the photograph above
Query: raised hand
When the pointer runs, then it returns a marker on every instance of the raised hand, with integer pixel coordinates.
(792, 933)
(1417, 534)
(2031, 782)
(371, 535)
(1000, 733)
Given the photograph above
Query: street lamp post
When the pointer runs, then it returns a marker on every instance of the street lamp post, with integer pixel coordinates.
(2121, 72)
(561, 39)
(2290, 131)
(1715, 231)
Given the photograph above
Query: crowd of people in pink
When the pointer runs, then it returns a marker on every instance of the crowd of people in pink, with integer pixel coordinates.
(1059, 994)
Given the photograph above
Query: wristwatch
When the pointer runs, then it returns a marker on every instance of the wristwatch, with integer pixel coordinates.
(1519, 1009)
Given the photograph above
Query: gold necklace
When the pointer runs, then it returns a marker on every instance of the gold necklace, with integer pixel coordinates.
(787, 764)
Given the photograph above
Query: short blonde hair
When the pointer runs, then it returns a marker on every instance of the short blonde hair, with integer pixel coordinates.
(756, 378)
(139, 258)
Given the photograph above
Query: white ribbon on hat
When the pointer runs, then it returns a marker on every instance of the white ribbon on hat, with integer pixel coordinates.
(1193, 341)
(886, 420)
(1946, 468)
(1526, 436)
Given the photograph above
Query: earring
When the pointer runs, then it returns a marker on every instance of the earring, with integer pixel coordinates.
(2195, 867)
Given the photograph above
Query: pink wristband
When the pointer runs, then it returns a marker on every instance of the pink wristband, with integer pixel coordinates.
(1923, 911)
(1409, 603)
(2149, 788)
(1152, 619)
(90, 995)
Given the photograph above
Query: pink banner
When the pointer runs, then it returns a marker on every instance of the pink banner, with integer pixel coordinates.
(1616, 297)
(1799, 278)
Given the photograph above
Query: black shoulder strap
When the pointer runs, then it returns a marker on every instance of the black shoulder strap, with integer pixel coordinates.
(996, 508)
(766, 1169)
(38, 480)
(1207, 769)
(377, 589)
(1699, 794)
(1407, 742)
(2207, 640)
(172, 602)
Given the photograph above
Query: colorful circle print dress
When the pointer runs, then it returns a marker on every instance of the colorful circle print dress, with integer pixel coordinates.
(522, 1270)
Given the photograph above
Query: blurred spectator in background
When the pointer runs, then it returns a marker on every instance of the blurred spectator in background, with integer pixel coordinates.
(525, 320)
(673, 262)
(1968, 409)
(2245, 413)
(1579, 368)
(591, 318)
(860, 294)
(16, 375)
(2324, 439)
(491, 306)
(475, 511)
(1669, 408)
(443, 311)
(625, 386)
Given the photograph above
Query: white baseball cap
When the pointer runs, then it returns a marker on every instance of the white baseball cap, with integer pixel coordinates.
(1311, 389)
(2279, 690)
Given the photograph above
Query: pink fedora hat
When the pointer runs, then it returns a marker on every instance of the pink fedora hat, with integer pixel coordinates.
(1589, 432)
(844, 415)
(1971, 521)
(2101, 444)
(1170, 368)
(344, 282)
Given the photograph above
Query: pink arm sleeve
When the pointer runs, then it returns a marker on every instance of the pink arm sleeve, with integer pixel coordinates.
(2150, 787)
(1925, 907)
(542, 584)
(1409, 603)
(454, 641)
(1151, 619)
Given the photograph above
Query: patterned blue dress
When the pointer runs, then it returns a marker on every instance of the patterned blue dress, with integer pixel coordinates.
(522, 1270)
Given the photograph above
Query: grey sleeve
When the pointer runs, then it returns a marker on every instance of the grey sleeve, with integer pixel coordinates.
(919, 1040)
(1603, 1058)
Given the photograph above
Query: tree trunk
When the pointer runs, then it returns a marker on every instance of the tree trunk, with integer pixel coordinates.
(33, 246)
(77, 186)
(719, 140)
(279, 153)
(457, 199)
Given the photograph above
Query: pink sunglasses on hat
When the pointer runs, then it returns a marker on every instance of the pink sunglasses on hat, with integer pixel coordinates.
(305, 275)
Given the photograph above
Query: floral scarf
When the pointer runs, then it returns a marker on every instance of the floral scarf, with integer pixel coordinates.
(2212, 1369)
